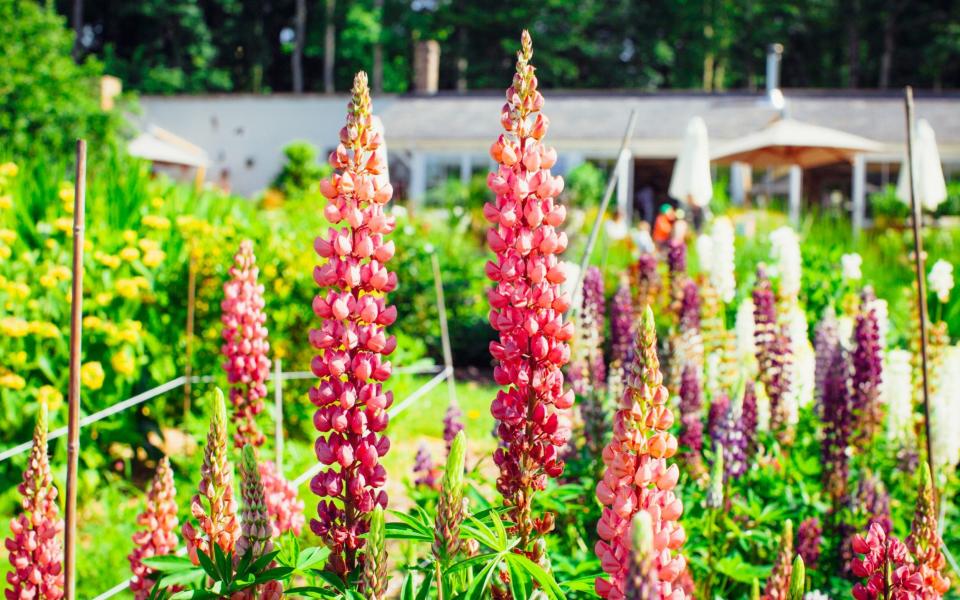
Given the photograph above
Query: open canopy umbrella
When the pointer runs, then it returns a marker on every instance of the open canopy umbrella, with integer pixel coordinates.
(690, 181)
(928, 173)
(161, 146)
(787, 142)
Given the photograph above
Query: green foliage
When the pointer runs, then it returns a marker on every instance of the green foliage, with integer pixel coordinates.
(46, 100)
(301, 173)
(584, 185)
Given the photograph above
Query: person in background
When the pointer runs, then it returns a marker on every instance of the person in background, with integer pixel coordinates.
(680, 226)
(641, 239)
(647, 203)
(663, 226)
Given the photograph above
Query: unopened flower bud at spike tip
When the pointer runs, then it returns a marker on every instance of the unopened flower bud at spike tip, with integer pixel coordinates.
(797, 579)
(373, 581)
(450, 507)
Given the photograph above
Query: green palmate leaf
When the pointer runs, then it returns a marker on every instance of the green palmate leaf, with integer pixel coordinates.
(182, 578)
(262, 562)
(274, 574)
(501, 531)
(330, 578)
(312, 592)
(311, 556)
(481, 582)
(474, 528)
(546, 581)
(406, 592)
(207, 565)
(521, 586)
(472, 561)
(169, 563)
(402, 531)
(424, 592)
(584, 583)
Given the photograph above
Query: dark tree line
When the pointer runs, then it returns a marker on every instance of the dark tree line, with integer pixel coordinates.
(174, 46)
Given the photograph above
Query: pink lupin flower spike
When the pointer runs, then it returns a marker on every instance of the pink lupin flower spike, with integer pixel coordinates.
(245, 345)
(157, 536)
(351, 415)
(527, 305)
(34, 546)
(639, 477)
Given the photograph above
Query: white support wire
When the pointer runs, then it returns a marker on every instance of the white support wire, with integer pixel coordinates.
(172, 385)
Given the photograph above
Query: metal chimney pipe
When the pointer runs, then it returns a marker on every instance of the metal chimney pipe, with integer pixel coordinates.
(774, 52)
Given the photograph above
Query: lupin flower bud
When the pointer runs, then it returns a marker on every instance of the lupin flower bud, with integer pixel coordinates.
(283, 504)
(808, 541)
(34, 546)
(373, 581)
(638, 477)
(691, 407)
(450, 506)
(621, 325)
(798, 579)
(867, 374)
(924, 540)
(773, 356)
(778, 584)
(351, 415)
(158, 534)
(452, 424)
(256, 530)
(714, 498)
(213, 506)
(641, 582)
(245, 345)
(887, 567)
(527, 306)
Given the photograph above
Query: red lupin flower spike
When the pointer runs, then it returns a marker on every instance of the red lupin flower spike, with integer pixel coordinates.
(158, 535)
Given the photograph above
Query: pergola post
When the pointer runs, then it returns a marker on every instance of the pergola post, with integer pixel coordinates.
(858, 193)
(737, 189)
(796, 183)
(418, 177)
(466, 168)
(624, 183)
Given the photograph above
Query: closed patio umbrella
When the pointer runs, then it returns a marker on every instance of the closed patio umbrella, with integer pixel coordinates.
(690, 181)
(928, 172)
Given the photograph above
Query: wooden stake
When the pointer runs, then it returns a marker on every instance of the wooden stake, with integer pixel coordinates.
(191, 308)
(920, 270)
(595, 230)
(444, 331)
(76, 333)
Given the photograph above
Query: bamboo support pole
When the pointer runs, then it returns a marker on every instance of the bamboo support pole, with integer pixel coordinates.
(919, 270)
(444, 331)
(76, 333)
(191, 309)
(595, 230)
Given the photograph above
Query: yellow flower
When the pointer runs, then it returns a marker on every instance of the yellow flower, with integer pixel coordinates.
(473, 414)
(109, 260)
(130, 236)
(93, 323)
(157, 222)
(129, 331)
(129, 254)
(123, 363)
(48, 281)
(8, 236)
(87, 245)
(148, 244)
(6, 201)
(61, 273)
(66, 193)
(142, 282)
(5, 252)
(12, 381)
(65, 225)
(153, 258)
(14, 327)
(127, 288)
(156, 202)
(44, 329)
(103, 298)
(18, 290)
(91, 375)
(51, 396)
(50, 244)
(18, 359)
(9, 169)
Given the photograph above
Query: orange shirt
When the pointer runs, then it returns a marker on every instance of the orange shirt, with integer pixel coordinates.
(661, 228)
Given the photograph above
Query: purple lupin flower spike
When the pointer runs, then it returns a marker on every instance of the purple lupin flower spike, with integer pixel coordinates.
(730, 436)
(621, 325)
(826, 342)
(676, 257)
(809, 535)
(690, 307)
(424, 469)
(867, 372)
(647, 282)
(452, 424)
(587, 370)
(691, 405)
(833, 397)
(873, 501)
(773, 355)
(750, 418)
(718, 408)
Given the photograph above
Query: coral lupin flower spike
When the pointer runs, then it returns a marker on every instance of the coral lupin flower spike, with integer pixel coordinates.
(158, 535)
(35, 546)
(245, 345)
(351, 415)
(527, 305)
(639, 477)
